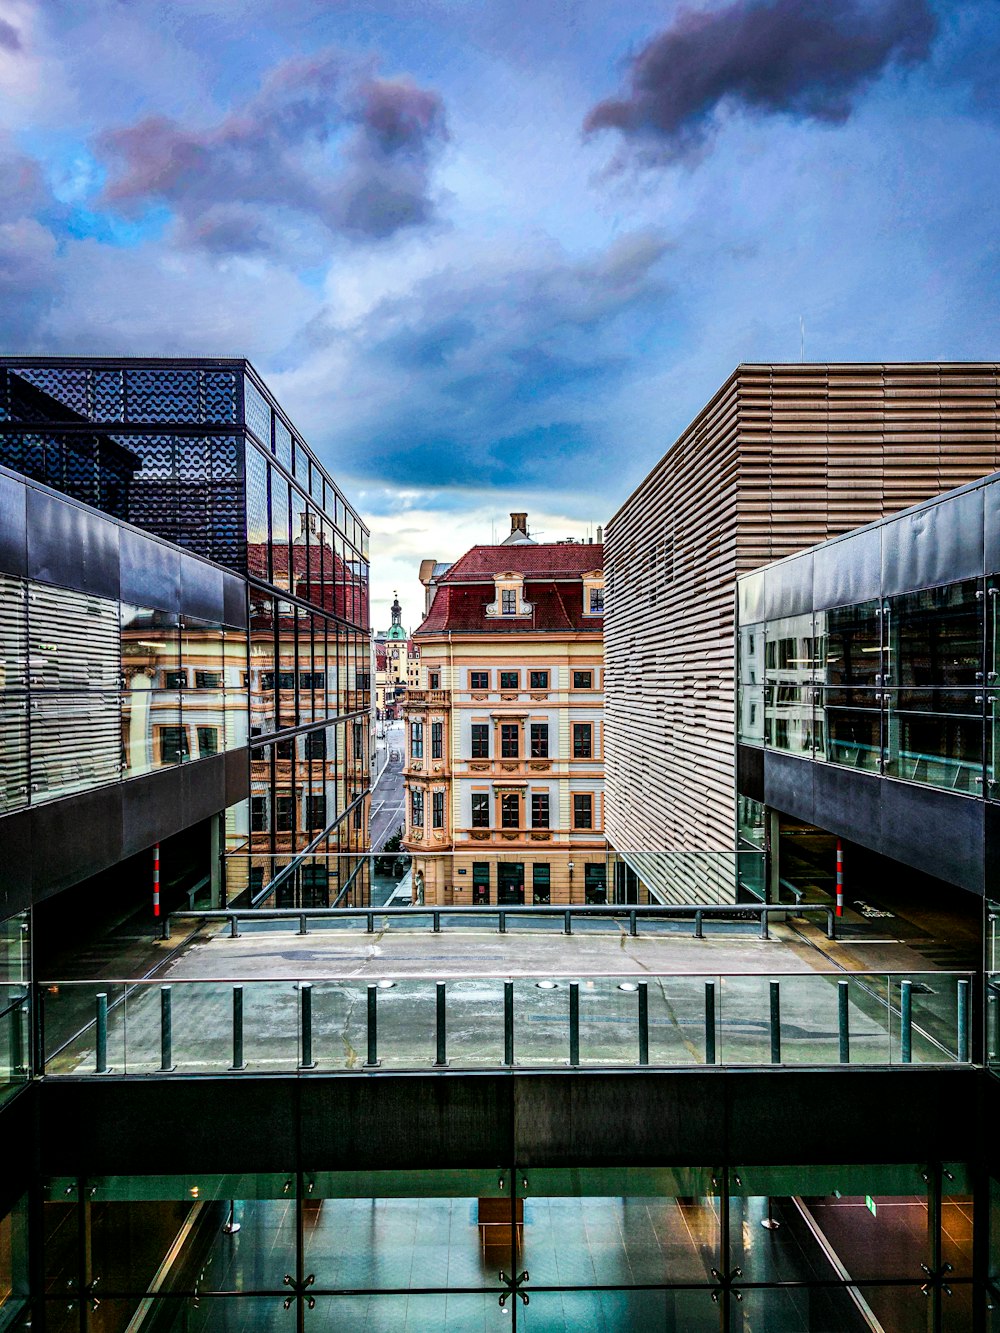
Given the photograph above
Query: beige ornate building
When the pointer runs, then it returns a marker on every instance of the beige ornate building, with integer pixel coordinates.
(505, 730)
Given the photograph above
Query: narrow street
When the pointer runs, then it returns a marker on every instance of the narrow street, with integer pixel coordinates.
(387, 796)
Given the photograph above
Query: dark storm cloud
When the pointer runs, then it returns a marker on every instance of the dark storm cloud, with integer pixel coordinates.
(805, 58)
(10, 38)
(321, 140)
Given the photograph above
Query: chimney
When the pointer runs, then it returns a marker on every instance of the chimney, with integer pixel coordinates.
(519, 523)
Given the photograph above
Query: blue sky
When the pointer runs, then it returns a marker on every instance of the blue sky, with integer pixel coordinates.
(494, 256)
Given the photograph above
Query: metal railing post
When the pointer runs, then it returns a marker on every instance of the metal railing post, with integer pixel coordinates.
(643, 1023)
(436, 922)
(502, 922)
(710, 1022)
(303, 924)
(306, 997)
(906, 1022)
(101, 1064)
(238, 1060)
(370, 923)
(574, 1022)
(775, 989)
(567, 923)
(165, 928)
(372, 1060)
(234, 927)
(166, 1031)
(763, 924)
(843, 1020)
(831, 924)
(963, 1022)
(508, 1022)
(632, 923)
(699, 926)
(442, 1034)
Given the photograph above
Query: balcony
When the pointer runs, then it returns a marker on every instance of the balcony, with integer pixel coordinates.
(427, 698)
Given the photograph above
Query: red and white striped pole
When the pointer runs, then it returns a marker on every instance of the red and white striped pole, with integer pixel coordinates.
(156, 880)
(840, 878)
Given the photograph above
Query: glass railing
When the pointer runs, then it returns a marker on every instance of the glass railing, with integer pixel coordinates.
(191, 1027)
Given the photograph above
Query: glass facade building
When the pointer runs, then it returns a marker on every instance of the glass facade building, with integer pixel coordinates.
(197, 453)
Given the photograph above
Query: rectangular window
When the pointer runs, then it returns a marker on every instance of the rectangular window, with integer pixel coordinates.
(315, 812)
(480, 882)
(597, 601)
(437, 809)
(479, 680)
(283, 811)
(173, 745)
(541, 883)
(539, 809)
(433, 680)
(539, 680)
(175, 680)
(480, 809)
(258, 814)
(583, 810)
(509, 734)
(208, 741)
(437, 740)
(208, 680)
(316, 744)
(539, 740)
(595, 884)
(510, 810)
(583, 740)
(480, 740)
(510, 680)
(416, 740)
(417, 808)
(284, 750)
(583, 680)
(508, 601)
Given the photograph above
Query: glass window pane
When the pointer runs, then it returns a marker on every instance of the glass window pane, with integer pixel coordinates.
(852, 643)
(936, 636)
(936, 737)
(852, 721)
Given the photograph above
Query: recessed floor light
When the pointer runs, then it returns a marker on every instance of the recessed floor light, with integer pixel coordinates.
(628, 985)
(547, 985)
(386, 985)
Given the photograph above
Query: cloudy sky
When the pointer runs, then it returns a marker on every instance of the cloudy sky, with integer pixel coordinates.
(494, 254)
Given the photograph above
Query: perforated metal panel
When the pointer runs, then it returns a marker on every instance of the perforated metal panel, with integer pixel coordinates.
(257, 412)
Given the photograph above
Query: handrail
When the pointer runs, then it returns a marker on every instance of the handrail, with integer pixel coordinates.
(556, 975)
(659, 911)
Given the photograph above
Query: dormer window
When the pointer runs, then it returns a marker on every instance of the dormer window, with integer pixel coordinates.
(509, 596)
(593, 593)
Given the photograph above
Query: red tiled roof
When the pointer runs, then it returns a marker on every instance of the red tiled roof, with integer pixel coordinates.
(551, 560)
(558, 605)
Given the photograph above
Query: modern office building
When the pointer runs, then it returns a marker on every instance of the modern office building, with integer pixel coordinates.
(783, 456)
(185, 616)
(869, 705)
(504, 759)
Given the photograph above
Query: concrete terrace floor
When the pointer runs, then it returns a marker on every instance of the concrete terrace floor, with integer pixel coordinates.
(269, 962)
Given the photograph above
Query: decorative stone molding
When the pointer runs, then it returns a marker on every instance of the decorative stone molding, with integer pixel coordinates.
(478, 767)
(479, 834)
(509, 768)
(510, 835)
(479, 696)
(541, 835)
(509, 698)
(417, 767)
(416, 835)
(540, 765)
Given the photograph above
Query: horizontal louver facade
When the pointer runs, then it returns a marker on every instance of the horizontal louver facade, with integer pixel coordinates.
(781, 458)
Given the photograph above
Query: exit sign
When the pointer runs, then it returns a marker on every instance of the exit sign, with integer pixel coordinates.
(870, 1205)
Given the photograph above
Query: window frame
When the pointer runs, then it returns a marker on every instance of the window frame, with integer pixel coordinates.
(417, 805)
(479, 740)
(583, 801)
(581, 730)
(510, 810)
(416, 740)
(535, 684)
(589, 673)
(437, 809)
(480, 810)
(508, 601)
(485, 675)
(437, 740)
(538, 746)
(541, 809)
(510, 680)
(510, 735)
